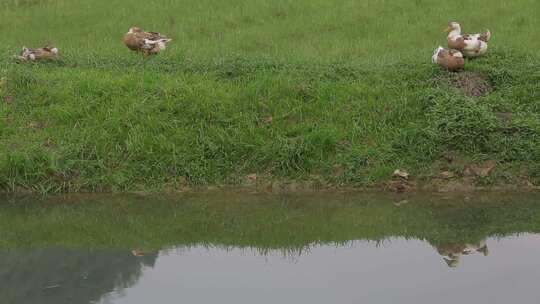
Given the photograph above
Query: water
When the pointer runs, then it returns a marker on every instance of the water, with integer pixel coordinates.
(332, 248)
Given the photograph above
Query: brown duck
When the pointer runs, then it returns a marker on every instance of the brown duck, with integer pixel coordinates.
(48, 52)
(149, 43)
(451, 60)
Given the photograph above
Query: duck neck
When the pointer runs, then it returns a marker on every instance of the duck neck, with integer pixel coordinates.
(454, 33)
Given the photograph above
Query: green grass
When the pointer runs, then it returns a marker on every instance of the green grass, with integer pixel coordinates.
(314, 30)
(348, 85)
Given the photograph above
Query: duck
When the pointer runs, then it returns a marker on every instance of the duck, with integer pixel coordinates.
(44, 53)
(451, 60)
(149, 43)
(471, 45)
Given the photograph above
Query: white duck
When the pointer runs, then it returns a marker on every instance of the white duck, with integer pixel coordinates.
(471, 45)
(149, 43)
(451, 60)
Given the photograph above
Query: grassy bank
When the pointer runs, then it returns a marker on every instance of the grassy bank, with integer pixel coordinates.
(314, 91)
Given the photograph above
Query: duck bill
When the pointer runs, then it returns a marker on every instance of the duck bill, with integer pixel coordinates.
(448, 29)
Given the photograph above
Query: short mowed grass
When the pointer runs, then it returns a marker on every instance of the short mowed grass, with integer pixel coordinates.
(336, 91)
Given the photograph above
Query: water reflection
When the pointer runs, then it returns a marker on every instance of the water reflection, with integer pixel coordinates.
(355, 272)
(59, 275)
(397, 270)
(268, 249)
(453, 253)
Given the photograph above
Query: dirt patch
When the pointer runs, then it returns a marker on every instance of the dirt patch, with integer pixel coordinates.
(471, 84)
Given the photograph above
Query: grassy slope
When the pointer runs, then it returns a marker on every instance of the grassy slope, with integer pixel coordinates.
(348, 84)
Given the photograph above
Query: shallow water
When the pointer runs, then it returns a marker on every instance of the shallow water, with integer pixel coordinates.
(270, 249)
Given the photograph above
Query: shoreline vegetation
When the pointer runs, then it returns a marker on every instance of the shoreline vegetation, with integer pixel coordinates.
(290, 97)
(70, 128)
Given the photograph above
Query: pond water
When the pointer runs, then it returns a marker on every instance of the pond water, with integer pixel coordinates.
(241, 248)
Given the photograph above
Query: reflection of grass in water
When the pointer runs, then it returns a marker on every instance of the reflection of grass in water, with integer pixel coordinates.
(264, 222)
(56, 275)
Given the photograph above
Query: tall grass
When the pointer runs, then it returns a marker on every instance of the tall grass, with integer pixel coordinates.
(287, 89)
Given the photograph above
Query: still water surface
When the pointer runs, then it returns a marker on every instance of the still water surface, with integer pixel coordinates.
(434, 252)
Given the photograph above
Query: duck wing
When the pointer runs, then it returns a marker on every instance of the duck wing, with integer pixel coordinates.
(471, 36)
(154, 36)
(457, 43)
(134, 41)
(472, 42)
(449, 61)
(139, 41)
(45, 52)
(486, 36)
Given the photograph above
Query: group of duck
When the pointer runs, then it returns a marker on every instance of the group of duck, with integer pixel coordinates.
(151, 43)
(460, 46)
(136, 39)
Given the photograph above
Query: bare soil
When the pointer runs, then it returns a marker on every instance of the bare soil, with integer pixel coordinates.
(472, 84)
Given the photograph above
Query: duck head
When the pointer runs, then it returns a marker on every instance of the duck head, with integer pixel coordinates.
(436, 54)
(453, 29)
(135, 29)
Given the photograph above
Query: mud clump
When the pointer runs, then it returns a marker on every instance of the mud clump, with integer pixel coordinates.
(472, 84)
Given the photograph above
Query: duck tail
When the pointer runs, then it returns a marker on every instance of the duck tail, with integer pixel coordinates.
(485, 36)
